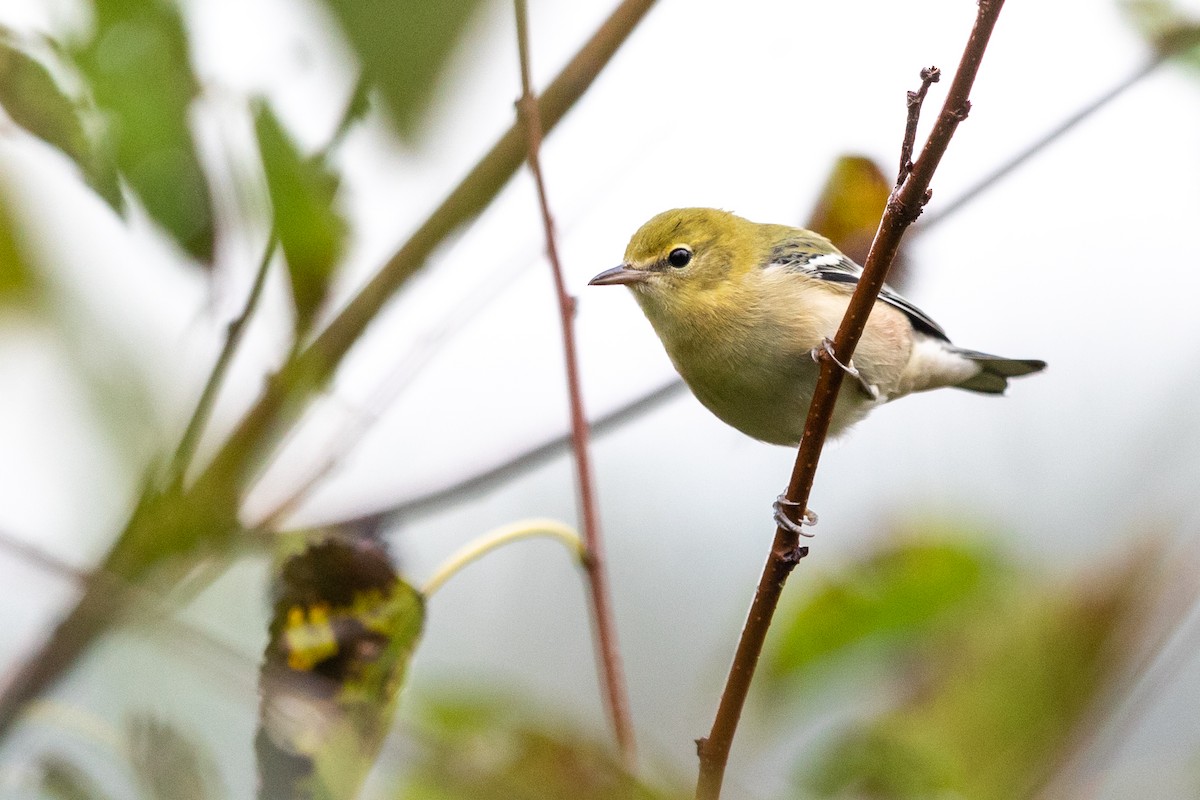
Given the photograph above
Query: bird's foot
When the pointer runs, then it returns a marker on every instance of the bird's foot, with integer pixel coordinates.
(807, 517)
(826, 346)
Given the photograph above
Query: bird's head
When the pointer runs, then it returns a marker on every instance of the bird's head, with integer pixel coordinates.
(685, 252)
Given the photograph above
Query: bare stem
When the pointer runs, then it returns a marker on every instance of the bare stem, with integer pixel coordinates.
(608, 651)
(929, 76)
(212, 387)
(902, 209)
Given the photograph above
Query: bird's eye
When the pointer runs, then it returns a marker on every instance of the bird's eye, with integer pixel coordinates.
(679, 257)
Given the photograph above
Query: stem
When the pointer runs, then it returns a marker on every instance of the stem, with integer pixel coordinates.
(902, 209)
(608, 651)
(526, 529)
(208, 397)
(916, 99)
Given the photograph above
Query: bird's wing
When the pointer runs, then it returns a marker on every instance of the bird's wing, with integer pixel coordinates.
(827, 264)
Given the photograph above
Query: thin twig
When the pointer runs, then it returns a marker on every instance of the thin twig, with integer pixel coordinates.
(929, 76)
(208, 397)
(902, 209)
(608, 653)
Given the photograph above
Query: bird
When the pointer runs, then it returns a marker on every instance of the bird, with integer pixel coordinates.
(743, 308)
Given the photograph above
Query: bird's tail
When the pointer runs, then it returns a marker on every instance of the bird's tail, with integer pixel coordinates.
(994, 371)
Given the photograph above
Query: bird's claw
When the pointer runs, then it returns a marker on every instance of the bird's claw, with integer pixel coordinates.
(826, 346)
(807, 517)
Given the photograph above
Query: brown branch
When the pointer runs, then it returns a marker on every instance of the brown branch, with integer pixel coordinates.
(204, 515)
(902, 209)
(929, 76)
(608, 652)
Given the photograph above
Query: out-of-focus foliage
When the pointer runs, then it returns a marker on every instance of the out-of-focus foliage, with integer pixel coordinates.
(310, 230)
(403, 46)
(896, 598)
(169, 766)
(482, 750)
(62, 780)
(33, 99)
(1167, 28)
(17, 279)
(138, 68)
(850, 205)
(342, 632)
(989, 707)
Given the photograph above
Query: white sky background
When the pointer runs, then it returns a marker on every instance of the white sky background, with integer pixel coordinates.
(1086, 257)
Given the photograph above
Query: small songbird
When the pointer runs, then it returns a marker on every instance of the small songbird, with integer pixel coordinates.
(742, 307)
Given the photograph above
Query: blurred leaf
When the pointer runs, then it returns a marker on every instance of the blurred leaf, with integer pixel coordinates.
(1168, 29)
(138, 68)
(992, 708)
(17, 278)
(849, 208)
(62, 780)
(357, 108)
(481, 751)
(343, 630)
(169, 765)
(310, 230)
(34, 101)
(403, 45)
(897, 596)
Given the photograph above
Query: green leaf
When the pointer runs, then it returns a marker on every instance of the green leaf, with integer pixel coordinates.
(487, 750)
(17, 279)
(1168, 29)
(342, 633)
(32, 98)
(169, 765)
(995, 704)
(62, 780)
(139, 71)
(310, 230)
(896, 596)
(403, 45)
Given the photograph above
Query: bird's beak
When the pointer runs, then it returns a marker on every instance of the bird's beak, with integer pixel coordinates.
(622, 274)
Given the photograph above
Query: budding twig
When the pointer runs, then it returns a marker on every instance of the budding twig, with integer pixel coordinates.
(902, 209)
(929, 76)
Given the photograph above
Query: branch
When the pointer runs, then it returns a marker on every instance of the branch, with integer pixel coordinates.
(608, 651)
(929, 76)
(902, 209)
(186, 450)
